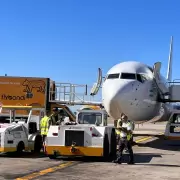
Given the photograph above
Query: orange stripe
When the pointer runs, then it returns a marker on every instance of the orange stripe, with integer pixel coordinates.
(80, 151)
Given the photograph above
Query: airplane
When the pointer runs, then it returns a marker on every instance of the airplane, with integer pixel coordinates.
(135, 89)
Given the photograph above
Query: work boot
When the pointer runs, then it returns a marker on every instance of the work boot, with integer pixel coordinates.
(117, 161)
(130, 162)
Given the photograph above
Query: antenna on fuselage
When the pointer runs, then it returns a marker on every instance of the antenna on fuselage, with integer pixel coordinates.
(169, 70)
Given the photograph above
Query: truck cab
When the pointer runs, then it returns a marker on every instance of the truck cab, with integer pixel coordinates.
(172, 131)
(93, 117)
(19, 132)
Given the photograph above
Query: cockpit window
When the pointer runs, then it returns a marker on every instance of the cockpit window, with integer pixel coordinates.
(128, 76)
(141, 77)
(144, 77)
(113, 76)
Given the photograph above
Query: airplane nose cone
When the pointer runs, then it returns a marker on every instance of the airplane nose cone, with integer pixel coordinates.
(117, 97)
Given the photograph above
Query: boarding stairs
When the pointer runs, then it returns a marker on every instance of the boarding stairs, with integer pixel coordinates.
(173, 94)
(74, 94)
(77, 94)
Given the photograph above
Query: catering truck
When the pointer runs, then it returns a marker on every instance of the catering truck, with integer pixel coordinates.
(30, 91)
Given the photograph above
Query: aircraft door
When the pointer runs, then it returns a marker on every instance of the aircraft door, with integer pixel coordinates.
(97, 85)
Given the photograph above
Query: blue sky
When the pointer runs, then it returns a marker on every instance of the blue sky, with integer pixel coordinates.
(67, 40)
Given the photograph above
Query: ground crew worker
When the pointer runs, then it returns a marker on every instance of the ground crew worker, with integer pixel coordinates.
(119, 122)
(119, 125)
(44, 126)
(125, 140)
(53, 119)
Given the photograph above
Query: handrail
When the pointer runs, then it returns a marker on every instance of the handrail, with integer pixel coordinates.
(71, 94)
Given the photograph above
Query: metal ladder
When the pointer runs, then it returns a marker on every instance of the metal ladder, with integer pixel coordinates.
(72, 94)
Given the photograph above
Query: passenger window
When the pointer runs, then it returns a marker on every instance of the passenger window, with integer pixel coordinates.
(128, 76)
(113, 76)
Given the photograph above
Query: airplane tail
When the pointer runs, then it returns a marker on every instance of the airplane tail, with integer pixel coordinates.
(169, 70)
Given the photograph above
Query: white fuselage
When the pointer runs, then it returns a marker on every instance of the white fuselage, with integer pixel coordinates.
(129, 87)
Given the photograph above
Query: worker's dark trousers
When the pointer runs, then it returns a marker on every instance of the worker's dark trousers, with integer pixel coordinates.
(123, 142)
(117, 138)
(43, 140)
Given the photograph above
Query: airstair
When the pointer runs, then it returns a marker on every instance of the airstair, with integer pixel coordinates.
(73, 94)
(174, 92)
(76, 94)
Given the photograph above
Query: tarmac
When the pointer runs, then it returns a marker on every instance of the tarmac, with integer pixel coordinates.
(155, 158)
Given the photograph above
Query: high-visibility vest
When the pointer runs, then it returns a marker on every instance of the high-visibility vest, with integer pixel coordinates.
(118, 132)
(44, 125)
(129, 135)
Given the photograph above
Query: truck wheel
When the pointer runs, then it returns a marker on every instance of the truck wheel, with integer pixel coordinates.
(20, 147)
(38, 144)
(106, 148)
(113, 145)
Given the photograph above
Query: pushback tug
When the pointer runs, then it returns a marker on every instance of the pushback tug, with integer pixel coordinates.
(89, 135)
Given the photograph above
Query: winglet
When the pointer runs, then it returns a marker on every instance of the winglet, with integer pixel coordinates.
(169, 70)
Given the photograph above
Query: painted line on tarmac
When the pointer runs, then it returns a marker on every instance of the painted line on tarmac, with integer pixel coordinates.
(146, 138)
(46, 171)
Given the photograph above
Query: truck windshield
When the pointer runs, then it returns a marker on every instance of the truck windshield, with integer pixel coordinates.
(89, 118)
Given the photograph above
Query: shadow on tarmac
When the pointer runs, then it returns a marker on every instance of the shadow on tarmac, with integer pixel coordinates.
(158, 143)
(23, 155)
(145, 135)
(161, 144)
(161, 165)
(138, 157)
